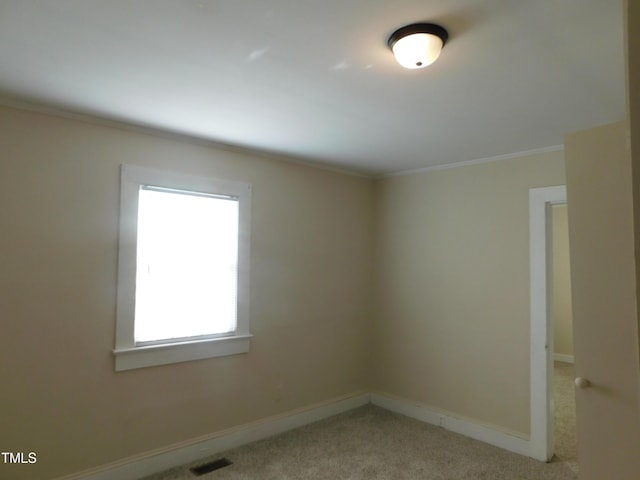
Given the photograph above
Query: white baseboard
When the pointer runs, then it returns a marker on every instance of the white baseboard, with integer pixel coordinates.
(562, 357)
(138, 466)
(485, 433)
(148, 463)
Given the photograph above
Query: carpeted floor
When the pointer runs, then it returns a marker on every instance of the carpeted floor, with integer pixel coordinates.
(565, 413)
(371, 443)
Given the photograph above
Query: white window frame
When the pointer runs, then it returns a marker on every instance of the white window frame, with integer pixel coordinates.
(127, 354)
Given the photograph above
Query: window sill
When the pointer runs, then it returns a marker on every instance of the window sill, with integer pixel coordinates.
(163, 354)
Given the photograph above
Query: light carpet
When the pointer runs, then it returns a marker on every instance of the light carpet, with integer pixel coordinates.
(371, 443)
(565, 413)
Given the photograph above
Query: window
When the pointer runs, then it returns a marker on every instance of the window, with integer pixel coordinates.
(183, 268)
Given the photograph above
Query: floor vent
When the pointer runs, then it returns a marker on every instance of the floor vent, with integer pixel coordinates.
(210, 467)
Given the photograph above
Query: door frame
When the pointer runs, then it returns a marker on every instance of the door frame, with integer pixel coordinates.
(542, 440)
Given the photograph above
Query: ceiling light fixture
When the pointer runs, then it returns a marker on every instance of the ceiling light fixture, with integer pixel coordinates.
(418, 45)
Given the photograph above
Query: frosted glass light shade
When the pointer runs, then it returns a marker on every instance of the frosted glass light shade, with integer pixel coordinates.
(418, 45)
(418, 50)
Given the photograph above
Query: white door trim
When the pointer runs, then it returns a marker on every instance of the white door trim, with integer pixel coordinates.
(540, 199)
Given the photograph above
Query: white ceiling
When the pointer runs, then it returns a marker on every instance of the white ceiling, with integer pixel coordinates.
(315, 79)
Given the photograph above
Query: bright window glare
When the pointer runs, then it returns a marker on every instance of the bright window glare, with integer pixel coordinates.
(186, 274)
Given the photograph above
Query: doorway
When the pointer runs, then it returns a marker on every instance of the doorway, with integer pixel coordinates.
(542, 438)
(561, 317)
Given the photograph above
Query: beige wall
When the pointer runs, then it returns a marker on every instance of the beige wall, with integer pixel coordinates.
(452, 295)
(311, 268)
(561, 282)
